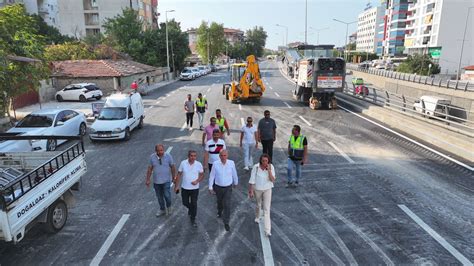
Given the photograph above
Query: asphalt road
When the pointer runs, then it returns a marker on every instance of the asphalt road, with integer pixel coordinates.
(367, 196)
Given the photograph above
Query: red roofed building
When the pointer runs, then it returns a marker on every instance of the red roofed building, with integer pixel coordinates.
(233, 36)
(109, 75)
(468, 73)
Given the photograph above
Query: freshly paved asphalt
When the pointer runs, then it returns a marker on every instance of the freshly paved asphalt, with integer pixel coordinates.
(346, 210)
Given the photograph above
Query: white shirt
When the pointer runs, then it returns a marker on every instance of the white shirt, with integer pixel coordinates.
(249, 134)
(190, 173)
(223, 175)
(260, 178)
(214, 148)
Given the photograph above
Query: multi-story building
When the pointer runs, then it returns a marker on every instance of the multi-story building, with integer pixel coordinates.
(232, 36)
(436, 27)
(79, 18)
(391, 36)
(368, 25)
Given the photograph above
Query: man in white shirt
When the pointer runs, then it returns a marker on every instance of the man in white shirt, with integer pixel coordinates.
(248, 140)
(212, 149)
(190, 173)
(223, 175)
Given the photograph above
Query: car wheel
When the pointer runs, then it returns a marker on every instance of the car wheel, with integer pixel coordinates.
(59, 98)
(82, 98)
(127, 134)
(57, 216)
(51, 145)
(140, 124)
(82, 129)
(98, 97)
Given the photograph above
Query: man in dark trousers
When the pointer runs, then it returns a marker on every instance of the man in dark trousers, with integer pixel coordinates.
(266, 133)
(223, 176)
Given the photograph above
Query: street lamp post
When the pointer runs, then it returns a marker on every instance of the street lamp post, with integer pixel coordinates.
(306, 24)
(318, 31)
(462, 45)
(167, 48)
(286, 28)
(347, 32)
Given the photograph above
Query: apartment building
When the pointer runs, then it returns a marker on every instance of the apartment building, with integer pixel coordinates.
(391, 36)
(368, 25)
(232, 36)
(79, 18)
(436, 27)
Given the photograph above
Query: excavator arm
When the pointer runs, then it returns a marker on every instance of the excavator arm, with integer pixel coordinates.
(251, 82)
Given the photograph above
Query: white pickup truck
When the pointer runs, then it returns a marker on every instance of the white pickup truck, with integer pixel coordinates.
(35, 187)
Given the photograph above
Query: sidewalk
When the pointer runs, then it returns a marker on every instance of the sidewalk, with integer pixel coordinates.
(84, 107)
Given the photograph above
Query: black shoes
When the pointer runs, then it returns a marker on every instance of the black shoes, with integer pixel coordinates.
(193, 223)
(219, 215)
(227, 227)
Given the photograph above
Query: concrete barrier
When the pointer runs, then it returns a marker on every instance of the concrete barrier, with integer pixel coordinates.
(447, 140)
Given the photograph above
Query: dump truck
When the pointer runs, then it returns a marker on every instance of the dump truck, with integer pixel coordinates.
(246, 84)
(36, 187)
(318, 81)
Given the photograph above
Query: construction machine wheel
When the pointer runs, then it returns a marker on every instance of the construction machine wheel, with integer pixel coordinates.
(226, 93)
(333, 103)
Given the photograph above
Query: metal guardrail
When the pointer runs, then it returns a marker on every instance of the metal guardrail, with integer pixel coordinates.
(438, 82)
(405, 105)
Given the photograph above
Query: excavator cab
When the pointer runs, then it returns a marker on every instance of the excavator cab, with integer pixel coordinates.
(246, 84)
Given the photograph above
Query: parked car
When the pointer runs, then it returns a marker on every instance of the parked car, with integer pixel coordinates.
(202, 70)
(79, 91)
(121, 114)
(213, 68)
(432, 106)
(365, 64)
(15, 145)
(361, 90)
(357, 81)
(51, 122)
(196, 72)
(187, 74)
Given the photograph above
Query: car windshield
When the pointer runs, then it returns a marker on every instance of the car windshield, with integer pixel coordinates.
(113, 113)
(186, 71)
(36, 120)
(201, 68)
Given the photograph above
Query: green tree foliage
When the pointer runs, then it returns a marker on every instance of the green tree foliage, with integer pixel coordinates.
(419, 64)
(50, 33)
(238, 51)
(255, 40)
(19, 37)
(210, 38)
(69, 51)
(124, 30)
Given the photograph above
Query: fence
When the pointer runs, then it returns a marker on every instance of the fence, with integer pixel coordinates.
(433, 81)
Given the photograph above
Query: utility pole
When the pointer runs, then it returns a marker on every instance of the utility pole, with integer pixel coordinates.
(172, 58)
(167, 48)
(286, 29)
(462, 46)
(347, 32)
(306, 24)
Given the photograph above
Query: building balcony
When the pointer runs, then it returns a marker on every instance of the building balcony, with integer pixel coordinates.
(43, 10)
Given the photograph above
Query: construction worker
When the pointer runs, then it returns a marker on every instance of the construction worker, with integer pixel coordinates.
(222, 123)
(201, 107)
(297, 155)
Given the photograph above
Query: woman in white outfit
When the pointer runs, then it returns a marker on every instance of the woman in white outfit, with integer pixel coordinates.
(260, 185)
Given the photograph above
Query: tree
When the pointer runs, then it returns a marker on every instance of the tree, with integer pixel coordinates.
(19, 37)
(238, 51)
(210, 38)
(124, 30)
(419, 64)
(69, 51)
(50, 33)
(255, 40)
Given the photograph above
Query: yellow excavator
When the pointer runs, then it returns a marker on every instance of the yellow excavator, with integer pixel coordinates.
(246, 84)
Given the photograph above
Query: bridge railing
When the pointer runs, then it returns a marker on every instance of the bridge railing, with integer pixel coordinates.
(405, 105)
(464, 85)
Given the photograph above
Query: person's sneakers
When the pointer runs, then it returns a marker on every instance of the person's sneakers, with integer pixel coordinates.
(227, 227)
(219, 215)
(257, 220)
(289, 184)
(190, 128)
(200, 128)
(296, 183)
(168, 210)
(193, 223)
(267, 234)
(246, 168)
(161, 213)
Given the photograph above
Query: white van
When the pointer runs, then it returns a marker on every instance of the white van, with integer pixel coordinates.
(431, 106)
(121, 114)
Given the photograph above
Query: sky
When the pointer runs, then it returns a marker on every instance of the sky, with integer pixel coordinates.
(246, 14)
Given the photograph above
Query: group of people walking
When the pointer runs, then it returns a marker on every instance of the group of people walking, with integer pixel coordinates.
(222, 171)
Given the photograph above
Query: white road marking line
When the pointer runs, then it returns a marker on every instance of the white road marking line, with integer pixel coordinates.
(289, 106)
(271, 88)
(110, 239)
(278, 95)
(157, 102)
(170, 148)
(242, 121)
(208, 90)
(341, 152)
(168, 95)
(306, 121)
(183, 127)
(436, 236)
(149, 107)
(173, 92)
(266, 247)
(411, 140)
(204, 96)
(240, 107)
